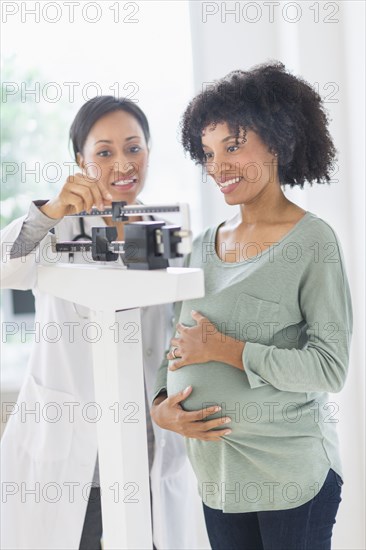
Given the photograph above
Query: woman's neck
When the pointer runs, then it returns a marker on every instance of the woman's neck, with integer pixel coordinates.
(266, 211)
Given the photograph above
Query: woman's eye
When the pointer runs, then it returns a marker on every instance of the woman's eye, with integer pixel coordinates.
(232, 148)
(207, 156)
(135, 149)
(104, 153)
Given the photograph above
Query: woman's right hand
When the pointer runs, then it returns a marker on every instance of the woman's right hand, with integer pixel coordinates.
(167, 413)
(80, 192)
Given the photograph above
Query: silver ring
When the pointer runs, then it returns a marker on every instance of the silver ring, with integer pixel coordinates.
(173, 353)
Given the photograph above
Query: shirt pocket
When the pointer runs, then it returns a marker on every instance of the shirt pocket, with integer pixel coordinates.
(44, 425)
(255, 319)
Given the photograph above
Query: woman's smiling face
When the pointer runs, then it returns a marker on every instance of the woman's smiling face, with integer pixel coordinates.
(116, 152)
(244, 168)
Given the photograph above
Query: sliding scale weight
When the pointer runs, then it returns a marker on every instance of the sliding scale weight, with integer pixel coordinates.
(147, 244)
(121, 212)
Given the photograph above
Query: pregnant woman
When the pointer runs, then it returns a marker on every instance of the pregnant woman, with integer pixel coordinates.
(251, 364)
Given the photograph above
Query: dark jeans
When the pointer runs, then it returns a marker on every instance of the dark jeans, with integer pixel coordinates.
(307, 527)
(92, 529)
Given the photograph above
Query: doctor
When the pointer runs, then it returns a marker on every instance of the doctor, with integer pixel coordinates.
(50, 481)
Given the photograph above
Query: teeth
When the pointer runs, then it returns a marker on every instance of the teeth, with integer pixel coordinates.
(121, 183)
(230, 182)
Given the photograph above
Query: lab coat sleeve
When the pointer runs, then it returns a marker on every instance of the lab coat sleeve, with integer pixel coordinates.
(160, 382)
(23, 245)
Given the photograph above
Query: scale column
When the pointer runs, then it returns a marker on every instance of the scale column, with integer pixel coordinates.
(121, 430)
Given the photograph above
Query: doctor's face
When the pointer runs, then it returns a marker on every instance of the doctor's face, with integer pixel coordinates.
(116, 152)
(243, 171)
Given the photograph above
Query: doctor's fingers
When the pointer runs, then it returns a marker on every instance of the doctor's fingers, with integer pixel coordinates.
(77, 196)
(85, 188)
(99, 187)
(96, 187)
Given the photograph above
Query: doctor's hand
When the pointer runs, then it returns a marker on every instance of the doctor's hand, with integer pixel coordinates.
(168, 414)
(80, 192)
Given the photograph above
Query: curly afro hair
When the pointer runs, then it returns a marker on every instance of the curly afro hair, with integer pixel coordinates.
(284, 110)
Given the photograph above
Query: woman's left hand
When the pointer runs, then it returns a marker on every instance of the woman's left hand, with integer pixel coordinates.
(195, 344)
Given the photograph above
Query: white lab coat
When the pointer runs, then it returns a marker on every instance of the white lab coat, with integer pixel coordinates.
(47, 466)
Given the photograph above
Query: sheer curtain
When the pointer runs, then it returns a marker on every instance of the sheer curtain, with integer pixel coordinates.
(324, 43)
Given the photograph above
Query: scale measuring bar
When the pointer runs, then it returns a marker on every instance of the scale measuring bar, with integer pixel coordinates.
(132, 210)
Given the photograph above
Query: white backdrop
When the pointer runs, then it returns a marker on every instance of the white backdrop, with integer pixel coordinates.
(324, 43)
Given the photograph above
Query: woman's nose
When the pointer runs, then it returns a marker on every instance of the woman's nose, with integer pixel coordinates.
(219, 165)
(123, 165)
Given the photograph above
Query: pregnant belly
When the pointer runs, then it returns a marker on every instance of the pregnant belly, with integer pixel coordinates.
(212, 383)
(264, 411)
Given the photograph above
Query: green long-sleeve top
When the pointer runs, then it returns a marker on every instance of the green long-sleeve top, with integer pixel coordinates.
(291, 304)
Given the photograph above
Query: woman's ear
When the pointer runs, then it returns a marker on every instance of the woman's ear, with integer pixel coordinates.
(80, 161)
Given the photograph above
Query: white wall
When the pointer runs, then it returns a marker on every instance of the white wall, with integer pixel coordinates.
(329, 51)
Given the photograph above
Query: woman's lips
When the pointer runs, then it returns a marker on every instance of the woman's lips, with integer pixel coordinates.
(229, 185)
(124, 184)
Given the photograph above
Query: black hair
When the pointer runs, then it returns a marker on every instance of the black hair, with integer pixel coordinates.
(97, 107)
(284, 110)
